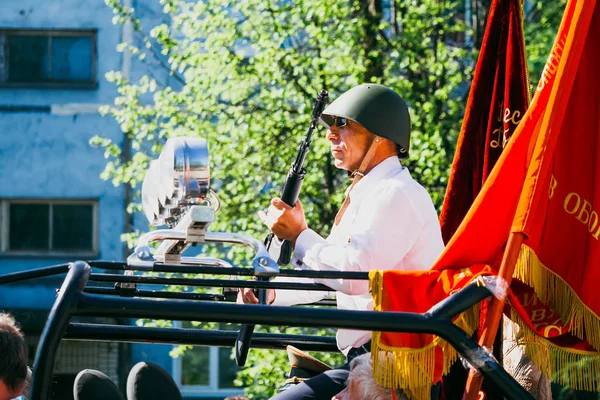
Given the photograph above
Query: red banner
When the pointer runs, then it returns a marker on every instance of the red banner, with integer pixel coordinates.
(544, 185)
(497, 101)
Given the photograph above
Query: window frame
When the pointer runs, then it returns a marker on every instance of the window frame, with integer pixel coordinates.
(5, 228)
(49, 34)
(210, 390)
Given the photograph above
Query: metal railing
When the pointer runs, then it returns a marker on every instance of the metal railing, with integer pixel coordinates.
(75, 299)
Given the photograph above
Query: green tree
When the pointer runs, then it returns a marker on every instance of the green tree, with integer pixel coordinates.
(542, 19)
(243, 75)
(246, 74)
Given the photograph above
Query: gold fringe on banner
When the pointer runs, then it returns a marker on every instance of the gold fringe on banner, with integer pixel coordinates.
(468, 321)
(574, 368)
(412, 369)
(376, 288)
(556, 292)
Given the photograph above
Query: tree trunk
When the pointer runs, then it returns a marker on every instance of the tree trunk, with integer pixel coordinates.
(370, 14)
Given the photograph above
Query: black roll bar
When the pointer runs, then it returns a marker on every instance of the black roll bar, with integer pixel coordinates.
(195, 269)
(163, 294)
(72, 301)
(159, 280)
(194, 337)
(34, 273)
(178, 268)
(60, 314)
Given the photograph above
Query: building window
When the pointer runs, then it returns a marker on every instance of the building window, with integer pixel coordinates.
(206, 371)
(49, 226)
(48, 58)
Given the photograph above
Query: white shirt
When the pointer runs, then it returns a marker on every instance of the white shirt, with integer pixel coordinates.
(390, 224)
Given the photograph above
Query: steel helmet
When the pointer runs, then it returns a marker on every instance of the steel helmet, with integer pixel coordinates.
(376, 107)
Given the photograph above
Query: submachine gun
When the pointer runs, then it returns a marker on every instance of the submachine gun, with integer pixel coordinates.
(281, 250)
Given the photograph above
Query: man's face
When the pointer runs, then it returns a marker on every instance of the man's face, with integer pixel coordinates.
(349, 143)
(6, 394)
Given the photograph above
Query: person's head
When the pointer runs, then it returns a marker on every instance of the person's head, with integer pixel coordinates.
(13, 359)
(147, 380)
(362, 386)
(367, 114)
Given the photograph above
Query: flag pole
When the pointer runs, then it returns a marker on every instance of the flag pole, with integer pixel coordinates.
(492, 322)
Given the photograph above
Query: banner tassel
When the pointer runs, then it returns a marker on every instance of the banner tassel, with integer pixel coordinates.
(556, 292)
(413, 369)
(574, 368)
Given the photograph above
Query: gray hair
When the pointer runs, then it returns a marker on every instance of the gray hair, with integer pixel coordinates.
(361, 384)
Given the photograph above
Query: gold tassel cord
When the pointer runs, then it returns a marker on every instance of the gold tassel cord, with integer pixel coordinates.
(574, 368)
(556, 292)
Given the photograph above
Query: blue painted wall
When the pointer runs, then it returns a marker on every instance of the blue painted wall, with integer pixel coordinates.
(45, 154)
(65, 14)
(48, 156)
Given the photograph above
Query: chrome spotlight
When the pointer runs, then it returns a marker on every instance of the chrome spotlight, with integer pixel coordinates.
(150, 203)
(180, 177)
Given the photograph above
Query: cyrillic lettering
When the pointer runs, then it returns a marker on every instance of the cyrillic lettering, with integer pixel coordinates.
(549, 328)
(553, 183)
(538, 315)
(568, 198)
(529, 300)
(586, 211)
(593, 216)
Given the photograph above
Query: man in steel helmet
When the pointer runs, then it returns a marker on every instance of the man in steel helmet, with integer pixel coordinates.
(387, 221)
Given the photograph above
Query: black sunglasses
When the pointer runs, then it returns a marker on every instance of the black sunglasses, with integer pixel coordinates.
(340, 122)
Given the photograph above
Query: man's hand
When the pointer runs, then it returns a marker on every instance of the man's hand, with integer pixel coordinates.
(284, 221)
(246, 296)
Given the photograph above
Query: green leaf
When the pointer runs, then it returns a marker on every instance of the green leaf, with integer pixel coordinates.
(243, 75)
